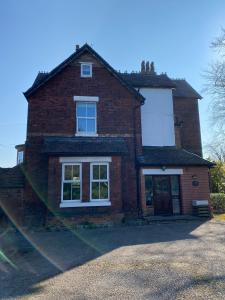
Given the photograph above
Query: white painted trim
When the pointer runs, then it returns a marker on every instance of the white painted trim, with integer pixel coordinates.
(62, 181)
(100, 180)
(81, 69)
(81, 159)
(86, 98)
(86, 134)
(85, 204)
(161, 172)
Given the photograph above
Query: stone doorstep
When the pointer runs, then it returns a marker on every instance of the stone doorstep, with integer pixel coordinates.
(174, 218)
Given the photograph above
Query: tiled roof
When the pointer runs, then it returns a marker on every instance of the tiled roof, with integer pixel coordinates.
(11, 177)
(84, 146)
(170, 156)
(42, 78)
(184, 90)
(148, 80)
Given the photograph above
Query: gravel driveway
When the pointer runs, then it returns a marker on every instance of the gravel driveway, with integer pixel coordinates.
(180, 260)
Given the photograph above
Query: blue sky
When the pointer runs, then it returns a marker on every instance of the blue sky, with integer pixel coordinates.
(38, 35)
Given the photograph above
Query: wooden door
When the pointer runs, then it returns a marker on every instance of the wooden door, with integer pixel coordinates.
(162, 195)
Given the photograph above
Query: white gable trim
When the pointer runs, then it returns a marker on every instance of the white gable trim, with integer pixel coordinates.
(162, 172)
(85, 159)
(86, 98)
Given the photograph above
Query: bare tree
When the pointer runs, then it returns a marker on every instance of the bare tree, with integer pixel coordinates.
(215, 83)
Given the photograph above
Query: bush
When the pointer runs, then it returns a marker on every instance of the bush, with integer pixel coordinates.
(218, 202)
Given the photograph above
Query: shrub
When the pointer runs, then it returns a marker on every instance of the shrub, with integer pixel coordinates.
(218, 202)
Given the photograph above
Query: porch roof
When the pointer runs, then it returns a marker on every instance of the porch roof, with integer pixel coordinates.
(170, 156)
(84, 146)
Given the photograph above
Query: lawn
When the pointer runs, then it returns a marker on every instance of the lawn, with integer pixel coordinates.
(219, 217)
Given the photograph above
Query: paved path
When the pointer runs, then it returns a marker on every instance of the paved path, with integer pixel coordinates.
(159, 261)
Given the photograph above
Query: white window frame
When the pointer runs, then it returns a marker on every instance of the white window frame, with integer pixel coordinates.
(79, 133)
(20, 157)
(81, 70)
(99, 180)
(71, 202)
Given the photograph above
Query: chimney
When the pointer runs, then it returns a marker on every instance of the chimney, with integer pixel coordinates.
(152, 68)
(147, 67)
(77, 47)
(143, 66)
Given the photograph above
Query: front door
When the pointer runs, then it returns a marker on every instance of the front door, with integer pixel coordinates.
(162, 195)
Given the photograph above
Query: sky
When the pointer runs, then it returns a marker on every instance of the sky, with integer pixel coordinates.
(38, 35)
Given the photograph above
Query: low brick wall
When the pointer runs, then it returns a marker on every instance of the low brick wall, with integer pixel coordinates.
(11, 205)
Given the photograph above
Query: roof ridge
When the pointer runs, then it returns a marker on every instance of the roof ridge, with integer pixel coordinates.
(75, 55)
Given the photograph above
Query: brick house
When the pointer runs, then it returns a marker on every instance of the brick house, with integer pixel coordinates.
(101, 143)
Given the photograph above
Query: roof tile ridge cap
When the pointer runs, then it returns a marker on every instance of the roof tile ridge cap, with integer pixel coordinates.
(189, 152)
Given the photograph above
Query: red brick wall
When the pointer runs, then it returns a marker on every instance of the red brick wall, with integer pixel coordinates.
(52, 110)
(189, 137)
(190, 192)
(54, 189)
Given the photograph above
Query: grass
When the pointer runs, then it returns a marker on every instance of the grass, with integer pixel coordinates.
(219, 217)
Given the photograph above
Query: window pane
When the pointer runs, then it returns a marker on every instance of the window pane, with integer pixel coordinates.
(95, 172)
(81, 109)
(148, 190)
(76, 191)
(103, 190)
(68, 173)
(76, 172)
(103, 171)
(95, 190)
(67, 191)
(91, 110)
(81, 125)
(175, 190)
(86, 69)
(90, 125)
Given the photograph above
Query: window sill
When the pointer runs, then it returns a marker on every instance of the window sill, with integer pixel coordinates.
(86, 204)
(86, 135)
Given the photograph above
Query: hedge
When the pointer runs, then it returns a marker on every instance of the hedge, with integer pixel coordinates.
(218, 202)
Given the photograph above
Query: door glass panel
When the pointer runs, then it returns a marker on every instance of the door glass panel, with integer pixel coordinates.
(162, 184)
(148, 190)
(175, 191)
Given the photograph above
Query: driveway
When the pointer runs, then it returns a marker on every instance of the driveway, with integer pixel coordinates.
(180, 260)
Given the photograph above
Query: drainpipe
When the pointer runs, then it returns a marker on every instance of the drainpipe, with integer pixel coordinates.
(140, 212)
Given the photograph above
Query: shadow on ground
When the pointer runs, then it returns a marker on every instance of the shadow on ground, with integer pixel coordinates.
(28, 259)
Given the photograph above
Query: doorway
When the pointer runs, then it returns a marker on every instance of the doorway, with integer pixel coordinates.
(162, 194)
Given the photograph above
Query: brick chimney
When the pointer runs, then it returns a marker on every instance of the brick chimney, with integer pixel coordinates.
(143, 66)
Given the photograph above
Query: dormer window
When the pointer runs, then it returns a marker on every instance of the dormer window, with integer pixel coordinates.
(86, 70)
